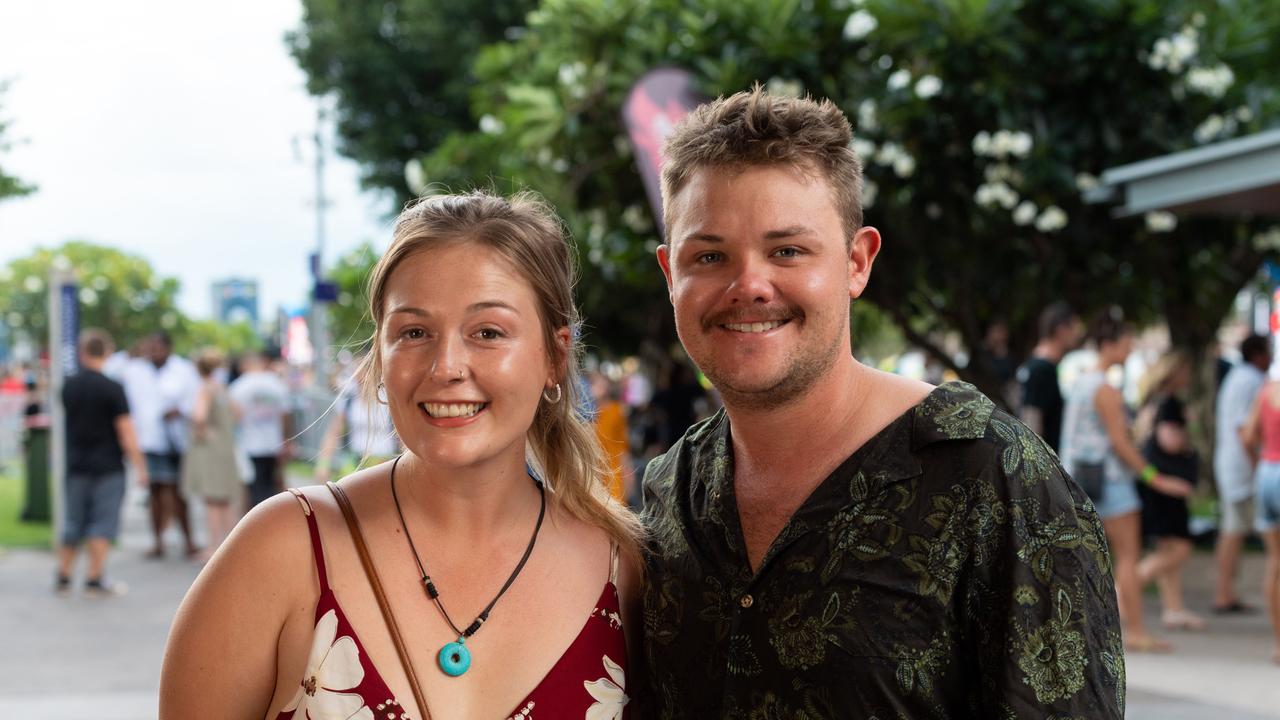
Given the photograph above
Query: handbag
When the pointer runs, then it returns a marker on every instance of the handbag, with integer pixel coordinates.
(353, 525)
(1092, 478)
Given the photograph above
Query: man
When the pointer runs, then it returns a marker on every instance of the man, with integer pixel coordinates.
(99, 433)
(1233, 465)
(263, 402)
(162, 390)
(1042, 404)
(841, 542)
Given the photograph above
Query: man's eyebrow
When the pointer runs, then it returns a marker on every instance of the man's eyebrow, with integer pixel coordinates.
(786, 232)
(702, 237)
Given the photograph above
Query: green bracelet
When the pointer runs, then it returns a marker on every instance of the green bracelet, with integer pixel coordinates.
(1149, 473)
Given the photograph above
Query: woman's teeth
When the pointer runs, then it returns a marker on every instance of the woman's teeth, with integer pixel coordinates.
(451, 410)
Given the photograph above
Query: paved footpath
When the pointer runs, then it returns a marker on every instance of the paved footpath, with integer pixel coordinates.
(76, 657)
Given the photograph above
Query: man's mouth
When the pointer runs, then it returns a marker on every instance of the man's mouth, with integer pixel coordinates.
(452, 409)
(754, 327)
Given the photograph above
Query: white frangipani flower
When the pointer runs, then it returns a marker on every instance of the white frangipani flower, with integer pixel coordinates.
(1213, 81)
(1052, 219)
(863, 148)
(859, 25)
(867, 121)
(870, 191)
(904, 165)
(899, 79)
(333, 667)
(1025, 213)
(1161, 222)
(490, 125)
(928, 86)
(609, 693)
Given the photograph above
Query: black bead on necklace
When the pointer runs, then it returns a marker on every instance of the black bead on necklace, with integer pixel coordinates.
(454, 658)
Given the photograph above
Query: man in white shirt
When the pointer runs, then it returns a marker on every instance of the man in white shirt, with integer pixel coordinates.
(263, 401)
(1233, 465)
(162, 388)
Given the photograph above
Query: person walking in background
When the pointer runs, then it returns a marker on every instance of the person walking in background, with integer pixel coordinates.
(1162, 421)
(162, 390)
(209, 469)
(262, 402)
(1262, 437)
(1098, 451)
(1233, 466)
(357, 432)
(1041, 395)
(100, 434)
(611, 430)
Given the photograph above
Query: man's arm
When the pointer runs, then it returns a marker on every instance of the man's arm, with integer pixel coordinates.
(129, 443)
(1039, 603)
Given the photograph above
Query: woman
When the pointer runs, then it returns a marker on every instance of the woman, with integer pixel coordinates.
(1099, 453)
(1165, 518)
(209, 469)
(487, 574)
(1262, 436)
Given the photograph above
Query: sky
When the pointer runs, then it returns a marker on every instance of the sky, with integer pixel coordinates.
(176, 130)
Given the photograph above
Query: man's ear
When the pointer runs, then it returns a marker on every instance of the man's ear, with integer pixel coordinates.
(664, 262)
(862, 254)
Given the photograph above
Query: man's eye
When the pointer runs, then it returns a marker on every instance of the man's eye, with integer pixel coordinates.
(707, 258)
(787, 252)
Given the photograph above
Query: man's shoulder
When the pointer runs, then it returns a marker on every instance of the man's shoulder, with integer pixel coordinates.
(699, 439)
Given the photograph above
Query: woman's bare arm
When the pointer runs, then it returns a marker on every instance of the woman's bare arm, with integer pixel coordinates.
(221, 658)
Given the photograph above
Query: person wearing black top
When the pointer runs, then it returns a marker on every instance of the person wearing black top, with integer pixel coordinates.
(1041, 403)
(1165, 519)
(99, 434)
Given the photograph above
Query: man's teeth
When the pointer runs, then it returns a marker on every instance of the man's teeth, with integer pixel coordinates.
(757, 327)
(448, 410)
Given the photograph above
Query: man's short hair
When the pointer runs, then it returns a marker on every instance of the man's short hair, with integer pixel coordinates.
(95, 343)
(1254, 346)
(753, 129)
(1055, 316)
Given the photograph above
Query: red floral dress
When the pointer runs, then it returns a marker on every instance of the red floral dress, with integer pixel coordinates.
(341, 683)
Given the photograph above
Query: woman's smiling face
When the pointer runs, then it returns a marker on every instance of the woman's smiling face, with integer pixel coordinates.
(464, 358)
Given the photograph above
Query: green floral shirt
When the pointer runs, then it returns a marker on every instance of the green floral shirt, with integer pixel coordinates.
(947, 569)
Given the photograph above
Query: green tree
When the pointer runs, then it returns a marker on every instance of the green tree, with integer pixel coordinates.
(980, 123)
(231, 338)
(398, 71)
(349, 323)
(119, 292)
(10, 186)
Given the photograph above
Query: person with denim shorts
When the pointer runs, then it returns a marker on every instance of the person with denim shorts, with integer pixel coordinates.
(99, 433)
(1262, 437)
(1096, 440)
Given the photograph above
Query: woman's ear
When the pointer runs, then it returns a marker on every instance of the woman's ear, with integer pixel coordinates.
(560, 355)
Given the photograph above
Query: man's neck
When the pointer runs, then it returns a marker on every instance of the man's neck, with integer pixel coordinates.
(815, 424)
(1048, 350)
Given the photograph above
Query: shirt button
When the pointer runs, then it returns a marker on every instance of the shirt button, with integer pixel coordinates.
(746, 601)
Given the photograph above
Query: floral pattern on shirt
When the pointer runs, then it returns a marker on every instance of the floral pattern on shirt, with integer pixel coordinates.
(949, 568)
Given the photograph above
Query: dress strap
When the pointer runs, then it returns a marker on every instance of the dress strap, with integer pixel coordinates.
(613, 563)
(317, 549)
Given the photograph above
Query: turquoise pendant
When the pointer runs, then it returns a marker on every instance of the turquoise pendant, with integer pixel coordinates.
(454, 658)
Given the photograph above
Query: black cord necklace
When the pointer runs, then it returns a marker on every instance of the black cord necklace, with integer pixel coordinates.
(454, 657)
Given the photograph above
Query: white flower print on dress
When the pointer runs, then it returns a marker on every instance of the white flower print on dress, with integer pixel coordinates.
(332, 667)
(610, 694)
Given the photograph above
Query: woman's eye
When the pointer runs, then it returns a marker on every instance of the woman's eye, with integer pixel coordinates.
(412, 333)
(489, 334)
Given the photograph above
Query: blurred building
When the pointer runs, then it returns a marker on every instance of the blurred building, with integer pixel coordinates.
(236, 300)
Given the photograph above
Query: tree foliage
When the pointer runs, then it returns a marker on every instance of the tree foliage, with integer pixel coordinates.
(10, 186)
(119, 292)
(980, 123)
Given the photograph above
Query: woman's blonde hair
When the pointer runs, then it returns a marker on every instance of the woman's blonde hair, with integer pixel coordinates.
(1155, 381)
(563, 448)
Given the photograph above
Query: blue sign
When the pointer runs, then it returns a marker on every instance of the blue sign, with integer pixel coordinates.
(70, 324)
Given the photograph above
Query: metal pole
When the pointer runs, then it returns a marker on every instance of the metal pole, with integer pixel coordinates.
(319, 309)
(60, 365)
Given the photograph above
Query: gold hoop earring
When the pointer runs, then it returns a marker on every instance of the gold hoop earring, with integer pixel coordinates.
(380, 394)
(559, 395)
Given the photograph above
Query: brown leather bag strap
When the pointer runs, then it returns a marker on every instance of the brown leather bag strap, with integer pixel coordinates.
(353, 524)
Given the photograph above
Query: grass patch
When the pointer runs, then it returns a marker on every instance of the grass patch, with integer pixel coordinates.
(13, 531)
